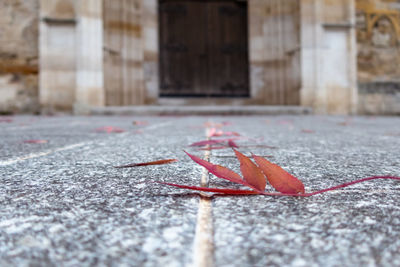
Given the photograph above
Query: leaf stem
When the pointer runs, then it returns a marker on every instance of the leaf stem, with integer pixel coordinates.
(351, 183)
(250, 192)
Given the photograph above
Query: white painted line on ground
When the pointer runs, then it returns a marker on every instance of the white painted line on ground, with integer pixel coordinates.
(203, 254)
(40, 154)
(45, 153)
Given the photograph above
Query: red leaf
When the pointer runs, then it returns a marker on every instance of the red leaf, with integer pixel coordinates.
(217, 125)
(213, 148)
(6, 120)
(232, 134)
(262, 146)
(140, 123)
(207, 142)
(219, 171)
(285, 122)
(212, 125)
(35, 141)
(307, 131)
(214, 190)
(226, 123)
(248, 192)
(251, 172)
(215, 133)
(232, 143)
(109, 129)
(158, 162)
(280, 179)
(212, 142)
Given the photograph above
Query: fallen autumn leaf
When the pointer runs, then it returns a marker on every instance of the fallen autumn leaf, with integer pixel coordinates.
(35, 141)
(288, 185)
(157, 162)
(109, 129)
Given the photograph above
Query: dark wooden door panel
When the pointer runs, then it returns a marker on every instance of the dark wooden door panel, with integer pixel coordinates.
(227, 39)
(203, 48)
(181, 47)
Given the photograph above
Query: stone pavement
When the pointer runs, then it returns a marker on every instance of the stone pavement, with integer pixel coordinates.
(63, 204)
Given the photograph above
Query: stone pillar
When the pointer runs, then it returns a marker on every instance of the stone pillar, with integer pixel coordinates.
(89, 48)
(329, 56)
(150, 50)
(353, 70)
(57, 79)
(311, 34)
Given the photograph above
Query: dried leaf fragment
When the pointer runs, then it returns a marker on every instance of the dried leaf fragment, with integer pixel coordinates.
(140, 123)
(7, 120)
(209, 148)
(207, 142)
(212, 142)
(215, 133)
(157, 162)
(109, 129)
(35, 141)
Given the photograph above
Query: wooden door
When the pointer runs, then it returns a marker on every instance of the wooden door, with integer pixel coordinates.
(203, 48)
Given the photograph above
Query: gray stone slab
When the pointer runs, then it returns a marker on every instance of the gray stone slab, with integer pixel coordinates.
(59, 131)
(201, 110)
(73, 208)
(356, 226)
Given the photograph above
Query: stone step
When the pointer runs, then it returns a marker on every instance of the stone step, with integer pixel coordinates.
(201, 110)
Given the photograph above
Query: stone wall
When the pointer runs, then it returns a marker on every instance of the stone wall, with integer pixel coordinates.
(19, 55)
(72, 50)
(378, 39)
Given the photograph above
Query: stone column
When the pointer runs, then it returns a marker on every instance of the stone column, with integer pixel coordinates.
(329, 56)
(57, 42)
(150, 50)
(311, 34)
(353, 103)
(89, 48)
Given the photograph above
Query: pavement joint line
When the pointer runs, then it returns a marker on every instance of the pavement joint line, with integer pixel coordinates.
(204, 237)
(48, 152)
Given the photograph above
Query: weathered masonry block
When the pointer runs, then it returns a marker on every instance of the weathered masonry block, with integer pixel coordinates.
(70, 55)
(19, 56)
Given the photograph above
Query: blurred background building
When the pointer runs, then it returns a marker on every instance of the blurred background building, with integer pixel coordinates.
(336, 56)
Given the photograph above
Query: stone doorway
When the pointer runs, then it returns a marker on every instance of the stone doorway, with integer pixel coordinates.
(117, 55)
(203, 48)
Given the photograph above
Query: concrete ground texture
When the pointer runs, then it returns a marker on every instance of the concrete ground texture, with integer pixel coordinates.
(62, 203)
